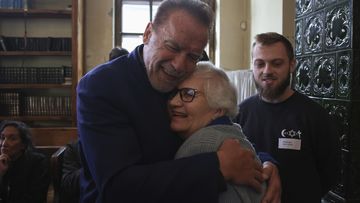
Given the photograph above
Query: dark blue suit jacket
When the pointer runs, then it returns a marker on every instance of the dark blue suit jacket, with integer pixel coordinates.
(127, 147)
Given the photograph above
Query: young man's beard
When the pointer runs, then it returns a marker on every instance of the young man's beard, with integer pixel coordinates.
(273, 93)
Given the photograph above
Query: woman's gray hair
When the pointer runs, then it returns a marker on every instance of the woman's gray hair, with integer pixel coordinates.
(220, 93)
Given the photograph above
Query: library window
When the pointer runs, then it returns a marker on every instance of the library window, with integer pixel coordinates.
(131, 18)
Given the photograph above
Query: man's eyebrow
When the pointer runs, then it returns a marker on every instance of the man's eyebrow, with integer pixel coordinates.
(178, 46)
(278, 59)
(275, 59)
(171, 42)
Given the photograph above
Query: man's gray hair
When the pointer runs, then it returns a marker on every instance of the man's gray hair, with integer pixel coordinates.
(196, 8)
(220, 93)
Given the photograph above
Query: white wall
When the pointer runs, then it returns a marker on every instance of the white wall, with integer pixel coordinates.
(232, 34)
(272, 16)
(266, 16)
(98, 32)
(233, 42)
(289, 20)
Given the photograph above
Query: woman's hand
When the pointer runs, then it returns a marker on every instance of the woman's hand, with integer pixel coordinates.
(4, 163)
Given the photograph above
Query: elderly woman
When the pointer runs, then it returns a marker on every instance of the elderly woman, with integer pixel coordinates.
(24, 174)
(201, 110)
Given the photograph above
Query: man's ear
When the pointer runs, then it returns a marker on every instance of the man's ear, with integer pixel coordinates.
(147, 33)
(292, 65)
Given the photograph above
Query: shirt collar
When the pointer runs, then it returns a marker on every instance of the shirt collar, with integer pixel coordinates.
(223, 120)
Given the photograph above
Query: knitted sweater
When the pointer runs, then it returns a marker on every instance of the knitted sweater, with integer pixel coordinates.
(209, 139)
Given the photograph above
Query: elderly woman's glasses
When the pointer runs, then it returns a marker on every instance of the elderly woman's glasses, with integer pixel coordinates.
(186, 94)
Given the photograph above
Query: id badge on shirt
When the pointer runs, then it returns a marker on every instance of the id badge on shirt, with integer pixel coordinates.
(289, 143)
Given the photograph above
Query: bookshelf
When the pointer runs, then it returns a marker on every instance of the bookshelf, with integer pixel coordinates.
(39, 63)
(35, 53)
(35, 13)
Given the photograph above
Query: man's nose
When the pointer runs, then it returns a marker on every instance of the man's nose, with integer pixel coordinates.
(267, 68)
(180, 62)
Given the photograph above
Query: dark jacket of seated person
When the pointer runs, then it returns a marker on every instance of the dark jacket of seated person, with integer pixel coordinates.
(24, 173)
(71, 167)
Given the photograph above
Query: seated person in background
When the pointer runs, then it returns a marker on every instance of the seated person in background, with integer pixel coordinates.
(117, 52)
(71, 167)
(24, 173)
(201, 109)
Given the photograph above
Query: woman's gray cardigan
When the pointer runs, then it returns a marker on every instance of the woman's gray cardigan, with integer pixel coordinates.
(209, 139)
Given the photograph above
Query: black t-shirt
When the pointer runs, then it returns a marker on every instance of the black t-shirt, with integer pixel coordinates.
(301, 136)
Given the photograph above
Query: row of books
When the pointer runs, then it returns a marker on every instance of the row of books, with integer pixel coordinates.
(47, 106)
(14, 104)
(13, 4)
(35, 75)
(35, 43)
(9, 104)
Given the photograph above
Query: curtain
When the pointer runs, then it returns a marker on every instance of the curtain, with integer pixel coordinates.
(243, 82)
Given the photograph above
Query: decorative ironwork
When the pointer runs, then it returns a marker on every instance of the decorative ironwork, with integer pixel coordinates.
(328, 35)
(337, 30)
(303, 7)
(354, 140)
(354, 173)
(303, 76)
(319, 4)
(344, 75)
(298, 37)
(330, 2)
(313, 34)
(339, 189)
(317, 100)
(355, 92)
(324, 76)
(339, 110)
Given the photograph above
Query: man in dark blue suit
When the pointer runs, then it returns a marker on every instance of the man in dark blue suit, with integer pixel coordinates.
(127, 148)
